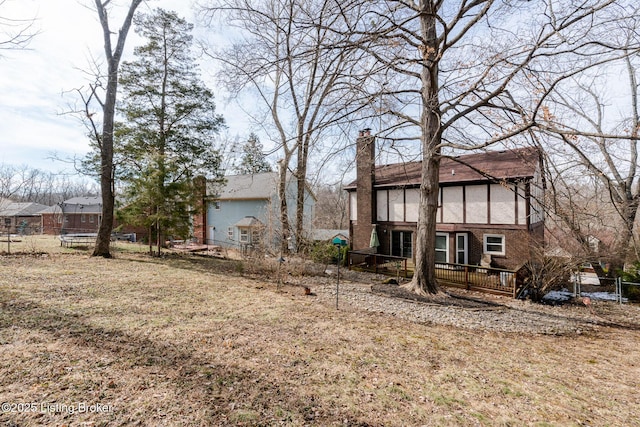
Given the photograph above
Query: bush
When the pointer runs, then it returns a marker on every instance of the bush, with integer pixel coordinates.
(324, 253)
(632, 293)
(632, 274)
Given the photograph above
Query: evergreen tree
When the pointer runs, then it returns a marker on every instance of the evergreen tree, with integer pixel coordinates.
(166, 137)
(253, 158)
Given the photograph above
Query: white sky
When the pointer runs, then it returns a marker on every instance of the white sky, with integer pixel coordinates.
(36, 85)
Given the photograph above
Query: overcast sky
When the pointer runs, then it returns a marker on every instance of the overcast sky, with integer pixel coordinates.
(36, 85)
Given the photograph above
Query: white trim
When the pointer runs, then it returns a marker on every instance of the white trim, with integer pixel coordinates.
(465, 250)
(485, 244)
(446, 249)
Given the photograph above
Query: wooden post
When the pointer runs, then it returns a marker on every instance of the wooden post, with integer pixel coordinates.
(466, 276)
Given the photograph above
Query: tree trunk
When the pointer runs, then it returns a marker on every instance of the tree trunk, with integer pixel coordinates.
(158, 238)
(301, 177)
(150, 241)
(107, 184)
(103, 240)
(284, 213)
(424, 279)
(624, 242)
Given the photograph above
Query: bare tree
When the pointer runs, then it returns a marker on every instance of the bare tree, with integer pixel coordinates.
(113, 55)
(577, 210)
(456, 73)
(603, 149)
(331, 207)
(15, 33)
(287, 59)
(26, 184)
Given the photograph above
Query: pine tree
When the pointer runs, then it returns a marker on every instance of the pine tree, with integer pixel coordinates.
(166, 137)
(253, 158)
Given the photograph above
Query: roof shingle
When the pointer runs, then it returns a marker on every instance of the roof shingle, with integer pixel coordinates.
(485, 166)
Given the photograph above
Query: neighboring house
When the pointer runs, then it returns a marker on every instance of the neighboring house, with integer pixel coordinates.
(81, 215)
(52, 220)
(328, 235)
(488, 214)
(21, 218)
(245, 211)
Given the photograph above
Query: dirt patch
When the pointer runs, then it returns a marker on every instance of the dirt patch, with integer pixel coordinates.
(448, 299)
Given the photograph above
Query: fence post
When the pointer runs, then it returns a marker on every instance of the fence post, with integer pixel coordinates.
(619, 289)
(466, 277)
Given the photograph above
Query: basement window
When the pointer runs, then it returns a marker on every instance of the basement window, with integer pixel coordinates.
(494, 244)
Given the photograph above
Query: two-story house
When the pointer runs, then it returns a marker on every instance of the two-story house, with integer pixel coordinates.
(245, 210)
(489, 206)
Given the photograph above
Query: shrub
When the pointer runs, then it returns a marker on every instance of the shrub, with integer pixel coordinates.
(632, 275)
(324, 253)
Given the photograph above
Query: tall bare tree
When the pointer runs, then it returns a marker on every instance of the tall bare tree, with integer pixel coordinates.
(113, 55)
(602, 146)
(456, 73)
(287, 60)
(26, 184)
(331, 207)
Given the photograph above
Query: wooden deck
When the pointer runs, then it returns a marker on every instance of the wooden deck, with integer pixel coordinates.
(471, 277)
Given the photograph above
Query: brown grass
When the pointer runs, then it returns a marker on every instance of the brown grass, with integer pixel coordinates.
(185, 341)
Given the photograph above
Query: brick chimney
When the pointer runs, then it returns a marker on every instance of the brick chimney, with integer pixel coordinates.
(200, 216)
(366, 196)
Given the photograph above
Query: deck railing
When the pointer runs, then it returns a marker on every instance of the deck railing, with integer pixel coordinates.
(379, 263)
(471, 277)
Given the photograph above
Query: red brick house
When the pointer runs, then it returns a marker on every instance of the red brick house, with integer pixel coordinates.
(20, 218)
(489, 206)
(81, 215)
(52, 220)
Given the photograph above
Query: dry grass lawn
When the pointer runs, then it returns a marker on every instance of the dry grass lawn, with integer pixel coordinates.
(189, 341)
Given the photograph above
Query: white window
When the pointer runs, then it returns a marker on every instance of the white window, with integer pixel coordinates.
(244, 235)
(461, 248)
(493, 244)
(91, 218)
(442, 247)
(230, 232)
(82, 218)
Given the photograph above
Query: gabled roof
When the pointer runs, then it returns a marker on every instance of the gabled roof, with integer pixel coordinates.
(22, 209)
(485, 166)
(249, 221)
(321, 234)
(86, 201)
(55, 209)
(246, 187)
(85, 205)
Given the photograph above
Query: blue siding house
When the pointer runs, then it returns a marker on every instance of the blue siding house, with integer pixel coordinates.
(244, 211)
